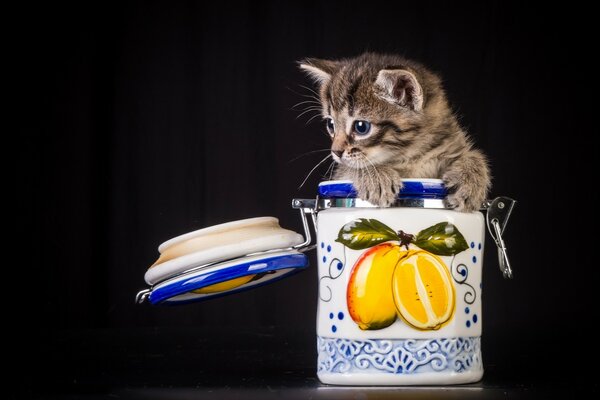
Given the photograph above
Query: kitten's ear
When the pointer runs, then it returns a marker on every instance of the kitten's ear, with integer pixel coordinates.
(401, 87)
(319, 70)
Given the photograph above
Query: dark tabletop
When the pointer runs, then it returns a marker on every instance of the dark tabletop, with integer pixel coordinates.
(178, 363)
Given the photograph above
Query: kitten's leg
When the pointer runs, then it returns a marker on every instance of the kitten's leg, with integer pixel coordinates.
(468, 181)
(378, 185)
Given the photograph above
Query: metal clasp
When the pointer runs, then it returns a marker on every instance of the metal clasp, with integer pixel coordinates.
(142, 296)
(498, 212)
(306, 206)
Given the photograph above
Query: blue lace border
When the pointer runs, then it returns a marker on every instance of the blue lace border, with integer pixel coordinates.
(399, 356)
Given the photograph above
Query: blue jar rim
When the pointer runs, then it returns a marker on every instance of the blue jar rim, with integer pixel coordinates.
(413, 188)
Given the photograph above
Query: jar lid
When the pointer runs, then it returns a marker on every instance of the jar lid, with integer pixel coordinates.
(235, 276)
(223, 259)
(414, 188)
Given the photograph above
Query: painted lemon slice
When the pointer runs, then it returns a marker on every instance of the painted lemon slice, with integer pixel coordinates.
(423, 291)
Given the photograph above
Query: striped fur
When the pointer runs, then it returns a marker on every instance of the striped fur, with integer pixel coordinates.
(414, 133)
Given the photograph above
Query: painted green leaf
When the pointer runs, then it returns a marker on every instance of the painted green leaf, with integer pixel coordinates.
(363, 233)
(443, 239)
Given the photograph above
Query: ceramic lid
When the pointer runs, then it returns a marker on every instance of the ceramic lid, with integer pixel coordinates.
(224, 259)
(422, 188)
(227, 278)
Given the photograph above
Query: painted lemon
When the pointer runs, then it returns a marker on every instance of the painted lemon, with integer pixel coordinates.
(423, 291)
(223, 286)
(369, 295)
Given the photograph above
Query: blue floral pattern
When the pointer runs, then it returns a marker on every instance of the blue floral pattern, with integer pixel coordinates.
(400, 356)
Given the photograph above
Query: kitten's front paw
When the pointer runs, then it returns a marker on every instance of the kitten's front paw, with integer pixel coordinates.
(383, 198)
(455, 202)
(464, 197)
(382, 193)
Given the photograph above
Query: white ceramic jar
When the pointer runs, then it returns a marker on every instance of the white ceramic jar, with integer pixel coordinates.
(399, 288)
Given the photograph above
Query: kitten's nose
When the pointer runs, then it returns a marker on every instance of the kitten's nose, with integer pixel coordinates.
(338, 152)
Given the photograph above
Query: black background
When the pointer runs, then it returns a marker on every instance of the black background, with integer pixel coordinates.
(144, 120)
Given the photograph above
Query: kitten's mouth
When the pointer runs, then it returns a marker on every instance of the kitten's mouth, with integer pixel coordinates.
(350, 161)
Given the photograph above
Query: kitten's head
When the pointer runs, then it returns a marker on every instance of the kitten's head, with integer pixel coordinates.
(379, 109)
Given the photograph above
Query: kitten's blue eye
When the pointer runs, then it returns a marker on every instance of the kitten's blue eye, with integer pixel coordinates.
(330, 126)
(362, 127)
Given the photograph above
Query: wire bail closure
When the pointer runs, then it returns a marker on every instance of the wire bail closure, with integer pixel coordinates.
(498, 212)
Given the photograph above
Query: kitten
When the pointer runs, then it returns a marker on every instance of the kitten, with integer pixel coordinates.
(389, 119)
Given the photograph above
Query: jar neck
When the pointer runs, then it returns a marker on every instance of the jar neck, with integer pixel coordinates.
(402, 202)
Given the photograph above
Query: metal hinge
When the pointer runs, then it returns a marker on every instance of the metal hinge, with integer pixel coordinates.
(498, 212)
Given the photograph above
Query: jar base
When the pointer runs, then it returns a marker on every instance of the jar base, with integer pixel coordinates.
(375, 379)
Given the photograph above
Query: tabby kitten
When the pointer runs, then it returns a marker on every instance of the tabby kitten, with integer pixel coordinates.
(388, 118)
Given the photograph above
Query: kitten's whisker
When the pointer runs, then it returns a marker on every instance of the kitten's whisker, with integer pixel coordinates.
(309, 110)
(313, 104)
(313, 108)
(312, 170)
(360, 171)
(313, 117)
(305, 102)
(316, 99)
(307, 153)
(304, 107)
(330, 168)
(374, 167)
(315, 96)
(310, 90)
(372, 175)
(368, 171)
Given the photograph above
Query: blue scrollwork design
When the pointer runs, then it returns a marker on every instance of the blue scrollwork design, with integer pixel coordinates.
(336, 267)
(460, 273)
(400, 356)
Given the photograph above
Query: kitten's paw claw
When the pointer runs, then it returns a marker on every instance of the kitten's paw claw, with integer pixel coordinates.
(453, 202)
(387, 199)
(461, 201)
(466, 195)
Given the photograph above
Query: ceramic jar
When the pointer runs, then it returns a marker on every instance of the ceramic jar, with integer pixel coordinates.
(399, 288)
